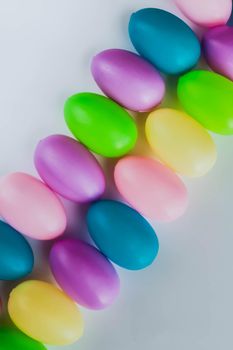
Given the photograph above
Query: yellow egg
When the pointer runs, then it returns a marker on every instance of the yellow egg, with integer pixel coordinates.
(45, 313)
(180, 142)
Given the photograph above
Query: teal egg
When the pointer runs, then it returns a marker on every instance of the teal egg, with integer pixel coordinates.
(165, 40)
(122, 234)
(16, 256)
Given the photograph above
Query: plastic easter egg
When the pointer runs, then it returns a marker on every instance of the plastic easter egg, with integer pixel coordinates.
(29, 206)
(100, 124)
(16, 256)
(208, 97)
(84, 273)
(230, 21)
(122, 234)
(45, 313)
(162, 196)
(207, 13)
(218, 50)
(13, 339)
(128, 79)
(69, 169)
(164, 40)
(180, 142)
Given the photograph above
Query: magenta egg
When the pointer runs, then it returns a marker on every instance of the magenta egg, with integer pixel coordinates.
(128, 79)
(84, 273)
(69, 169)
(218, 50)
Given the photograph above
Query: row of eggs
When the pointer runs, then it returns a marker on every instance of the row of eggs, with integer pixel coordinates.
(75, 174)
(69, 169)
(95, 285)
(110, 226)
(38, 213)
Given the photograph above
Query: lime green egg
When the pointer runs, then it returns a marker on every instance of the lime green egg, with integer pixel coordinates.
(208, 97)
(13, 339)
(100, 124)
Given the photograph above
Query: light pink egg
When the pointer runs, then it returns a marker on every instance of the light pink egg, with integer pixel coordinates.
(31, 207)
(207, 13)
(151, 188)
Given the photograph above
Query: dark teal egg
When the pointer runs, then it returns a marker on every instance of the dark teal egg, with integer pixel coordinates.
(122, 234)
(164, 40)
(16, 256)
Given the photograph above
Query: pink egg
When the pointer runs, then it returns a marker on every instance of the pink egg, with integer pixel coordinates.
(151, 188)
(29, 206)
(207, 13)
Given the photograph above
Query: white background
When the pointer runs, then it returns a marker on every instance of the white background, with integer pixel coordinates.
(185, 300)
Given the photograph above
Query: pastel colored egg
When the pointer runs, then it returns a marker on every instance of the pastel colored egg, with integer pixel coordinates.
(122, 234)
(180, 142)
(208, 98)
(69, 169)
(164, 40)
(218, 50)
(207, 13)
(29, 206)
(13, 339)
(84, 273)
(162, 196)
(128, 79)
(100, 124)
(45, 313)
(16, 256)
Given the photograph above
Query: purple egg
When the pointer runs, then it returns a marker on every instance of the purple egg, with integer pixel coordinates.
(69, 169)
(218, 50)
(84, 273)
(128, 79)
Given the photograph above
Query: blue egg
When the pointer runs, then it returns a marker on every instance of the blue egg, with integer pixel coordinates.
(164, 40)
(16, 256)
(230, 22)
(122, 234)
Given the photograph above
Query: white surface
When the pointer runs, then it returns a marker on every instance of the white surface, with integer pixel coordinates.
(184, 301)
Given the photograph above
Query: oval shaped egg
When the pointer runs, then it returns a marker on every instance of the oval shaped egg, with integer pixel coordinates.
(100, 124)
(128, 79)
(230, 21)
(164, 40)
(69, 169)
(45, 313)
(180, 142)
(122, 234)
(208, 98)
(16, 256)
(13, 339)
(31, 207)
(84, 273)
(218, 50)
(162, 196)
(207, 13)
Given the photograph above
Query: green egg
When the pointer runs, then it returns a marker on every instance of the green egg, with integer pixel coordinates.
(100, 124)
(208, 97)
(13, 339)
